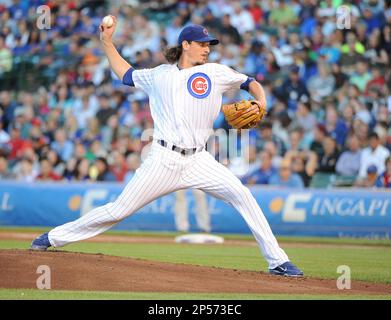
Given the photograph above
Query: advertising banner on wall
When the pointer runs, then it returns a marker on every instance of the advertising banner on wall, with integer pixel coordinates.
(307, 212)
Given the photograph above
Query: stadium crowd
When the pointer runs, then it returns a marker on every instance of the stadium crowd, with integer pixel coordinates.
(325, 69)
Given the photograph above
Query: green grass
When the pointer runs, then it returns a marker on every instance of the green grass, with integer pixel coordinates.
(35, 294)
(366, 263)
(281, 239)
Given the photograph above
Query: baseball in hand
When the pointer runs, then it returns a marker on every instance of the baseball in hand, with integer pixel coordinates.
(108, 21)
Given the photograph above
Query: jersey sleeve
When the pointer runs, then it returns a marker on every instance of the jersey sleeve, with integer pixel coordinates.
(228, 79)
(142, 79)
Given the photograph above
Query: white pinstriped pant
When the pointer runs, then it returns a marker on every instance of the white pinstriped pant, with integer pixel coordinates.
(163, 172)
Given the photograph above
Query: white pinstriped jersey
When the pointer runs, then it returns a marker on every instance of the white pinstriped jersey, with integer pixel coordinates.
(185, 103)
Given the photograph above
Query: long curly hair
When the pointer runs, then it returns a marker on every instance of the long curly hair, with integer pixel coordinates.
(173, 54)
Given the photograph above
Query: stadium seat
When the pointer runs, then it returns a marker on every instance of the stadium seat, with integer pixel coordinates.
(322, 180)
(344, 181)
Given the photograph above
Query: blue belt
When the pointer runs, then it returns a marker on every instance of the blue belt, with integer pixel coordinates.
(178, 149)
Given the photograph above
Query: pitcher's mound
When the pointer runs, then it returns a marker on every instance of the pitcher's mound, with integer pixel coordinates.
(80, 271)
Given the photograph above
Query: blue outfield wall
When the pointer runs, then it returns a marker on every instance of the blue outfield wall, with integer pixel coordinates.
(336, 213)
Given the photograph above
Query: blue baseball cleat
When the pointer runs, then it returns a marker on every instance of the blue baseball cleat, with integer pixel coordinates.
(287, 269)
(41, 243)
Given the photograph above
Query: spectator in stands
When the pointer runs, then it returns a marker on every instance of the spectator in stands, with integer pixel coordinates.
(79, 151)
(95, 150)
(105, 111)
(283, 14)
(92, 132)
(285, 177)
(25, 171)
(5, 57)
(62, 99)
(210, 21)
(348, 115)
(132, 163)
(293, 89)
(5, 172)
(321, 85)
(110, 132)
(340, 78)
(229, 30)
(266, 133)
(296, 139)
(82, 170)
(384, 179)
(17, 143)
(242, 19)
(349, 162)
(375, 154)
(368, 180)
(69, 170)
(118, 165)
(256, 11)
(271, 147)
(263, 173)
(7, 107)
(334, 125)
(304, 163)
(376, 53)
(173, 30)
(83, 111)
(62, 145)
(328, 160)
(47, 173)
(4, 136)
(319, 133)
(352, 51)
(299, 167)
(304, 118)
(361, 77)
(103, 172)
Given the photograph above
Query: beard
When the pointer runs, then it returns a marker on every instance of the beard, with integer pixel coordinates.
(198, 63)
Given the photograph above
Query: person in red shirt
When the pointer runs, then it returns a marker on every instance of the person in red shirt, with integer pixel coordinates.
(377, 81)
(17, 144)
(118, 166)
(46, 171)
(255, 11)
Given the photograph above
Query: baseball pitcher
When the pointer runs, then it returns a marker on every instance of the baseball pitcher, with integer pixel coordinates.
(185, 98)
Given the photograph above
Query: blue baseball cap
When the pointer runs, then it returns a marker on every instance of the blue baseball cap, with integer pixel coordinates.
(197, 33)
(372, 169)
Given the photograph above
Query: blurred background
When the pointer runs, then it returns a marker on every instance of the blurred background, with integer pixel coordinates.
(325, 67)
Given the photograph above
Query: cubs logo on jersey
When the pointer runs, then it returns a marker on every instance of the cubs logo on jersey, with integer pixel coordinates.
(199, 85)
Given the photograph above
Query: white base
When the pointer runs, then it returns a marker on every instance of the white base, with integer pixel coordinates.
(199, 238)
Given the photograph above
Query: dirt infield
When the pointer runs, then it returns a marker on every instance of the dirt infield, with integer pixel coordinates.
(79, 271)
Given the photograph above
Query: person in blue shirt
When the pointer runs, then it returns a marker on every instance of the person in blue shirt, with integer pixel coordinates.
(293, 89)
(285, 177)
(263, 173)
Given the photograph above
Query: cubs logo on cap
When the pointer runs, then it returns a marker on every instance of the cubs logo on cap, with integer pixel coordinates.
(199, 85)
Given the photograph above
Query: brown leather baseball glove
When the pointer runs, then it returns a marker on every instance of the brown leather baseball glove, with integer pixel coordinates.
(244, 114)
